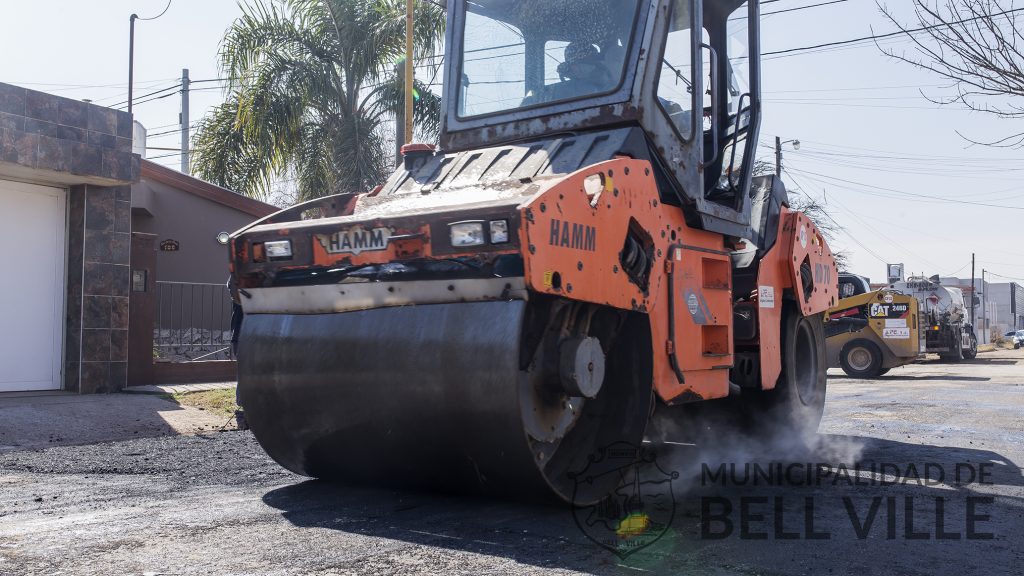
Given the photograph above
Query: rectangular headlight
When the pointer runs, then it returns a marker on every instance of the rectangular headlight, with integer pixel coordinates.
(499, 231)
(278, 249)
(467, 233)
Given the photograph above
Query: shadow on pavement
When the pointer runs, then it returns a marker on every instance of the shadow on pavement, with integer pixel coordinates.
(896, 377)
(548, 537)
(979, 360)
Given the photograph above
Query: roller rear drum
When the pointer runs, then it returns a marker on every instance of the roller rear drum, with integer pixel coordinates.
(495, 398)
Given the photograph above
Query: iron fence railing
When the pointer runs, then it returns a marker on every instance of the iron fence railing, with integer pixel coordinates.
(193, 322)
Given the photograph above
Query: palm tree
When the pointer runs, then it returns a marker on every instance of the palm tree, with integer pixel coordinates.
(312, 90)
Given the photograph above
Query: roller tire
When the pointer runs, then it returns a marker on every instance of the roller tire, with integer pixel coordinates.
(798, 399)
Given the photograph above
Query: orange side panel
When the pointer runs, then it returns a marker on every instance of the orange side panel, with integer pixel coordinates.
(572, 247)
(809, 247)
(799, 242)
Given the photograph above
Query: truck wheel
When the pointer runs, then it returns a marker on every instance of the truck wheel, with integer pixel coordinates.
(957, 354)
(972, 352)
(798, 399)
(861, 359)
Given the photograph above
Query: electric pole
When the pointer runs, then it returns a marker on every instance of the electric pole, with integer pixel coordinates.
(409, 78)
(131, 50)
(984, 310)
(778, 153)
(778, 157)
(184, 121)
(973, 293)
(400, 117)
(403, 116)
(131, 58)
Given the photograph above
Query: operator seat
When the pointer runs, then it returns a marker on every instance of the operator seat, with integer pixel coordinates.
(767, 197)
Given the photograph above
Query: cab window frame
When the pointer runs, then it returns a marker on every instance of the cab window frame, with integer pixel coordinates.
(627, 73)
(695, 64)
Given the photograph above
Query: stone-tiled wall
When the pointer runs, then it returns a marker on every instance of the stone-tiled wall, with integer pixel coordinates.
(98, 288)
(47, 132)
(51, 140)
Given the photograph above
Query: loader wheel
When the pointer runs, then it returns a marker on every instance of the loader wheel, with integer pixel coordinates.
(884, 371)
(798, 399)
(972, 352)
(861, 359)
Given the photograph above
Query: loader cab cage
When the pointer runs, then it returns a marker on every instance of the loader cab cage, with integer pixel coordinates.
(526, 70)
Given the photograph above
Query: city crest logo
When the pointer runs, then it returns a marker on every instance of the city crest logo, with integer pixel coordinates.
(641, 508)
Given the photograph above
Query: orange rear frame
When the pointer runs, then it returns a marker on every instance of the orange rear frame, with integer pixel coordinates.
(571, 247)
(571, 241)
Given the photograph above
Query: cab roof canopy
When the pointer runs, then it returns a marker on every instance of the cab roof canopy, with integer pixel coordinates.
(559, 19)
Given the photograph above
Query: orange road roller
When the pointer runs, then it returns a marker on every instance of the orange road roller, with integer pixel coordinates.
(587, 243)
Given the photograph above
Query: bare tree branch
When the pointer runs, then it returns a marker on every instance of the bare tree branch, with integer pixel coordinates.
(974, 45)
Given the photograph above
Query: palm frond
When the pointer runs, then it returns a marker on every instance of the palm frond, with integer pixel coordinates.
(311, 88)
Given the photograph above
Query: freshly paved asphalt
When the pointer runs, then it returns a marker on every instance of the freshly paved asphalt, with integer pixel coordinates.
(215, 504)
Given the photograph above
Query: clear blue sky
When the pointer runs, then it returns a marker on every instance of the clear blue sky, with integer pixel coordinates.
(869, 141)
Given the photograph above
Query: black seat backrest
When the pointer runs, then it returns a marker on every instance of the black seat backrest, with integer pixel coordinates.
(767, 197)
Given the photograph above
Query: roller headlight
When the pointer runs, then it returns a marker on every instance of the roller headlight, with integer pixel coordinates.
(467, 233)
(278, 249)
(499, 231)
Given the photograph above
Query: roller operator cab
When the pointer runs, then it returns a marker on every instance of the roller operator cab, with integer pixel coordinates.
(587, 244)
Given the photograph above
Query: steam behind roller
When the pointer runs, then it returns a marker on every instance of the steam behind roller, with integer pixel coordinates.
(587, 243)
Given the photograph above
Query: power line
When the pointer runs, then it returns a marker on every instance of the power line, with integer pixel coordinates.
(937, 107)
(136, 99)
(914, 158)
(875, 230)
(784, 10)
(903, 154)
(192, 126)
(910, 194)
(56, 87)
(517, 44)
(1001, 264)
(168, 95)
(952, 170)
(856, 88)
(800, 7)
(953, 274)
(840, 226)
(879, 232)
(1004, 276)
(158, 15)
(876, 37)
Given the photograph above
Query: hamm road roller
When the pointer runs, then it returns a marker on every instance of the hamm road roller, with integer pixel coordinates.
(587, 244)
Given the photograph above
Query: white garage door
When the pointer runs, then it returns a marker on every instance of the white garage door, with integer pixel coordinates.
(31, 286)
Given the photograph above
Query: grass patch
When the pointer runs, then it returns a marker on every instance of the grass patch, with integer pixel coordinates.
(220, 402)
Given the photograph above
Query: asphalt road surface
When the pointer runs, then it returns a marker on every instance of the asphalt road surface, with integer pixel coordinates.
(215, 504)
